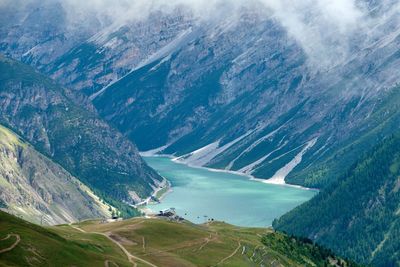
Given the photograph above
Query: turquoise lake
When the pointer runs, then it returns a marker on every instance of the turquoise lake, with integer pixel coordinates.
(199, 192)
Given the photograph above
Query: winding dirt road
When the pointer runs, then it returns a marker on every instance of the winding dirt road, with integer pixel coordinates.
(132, 259)
(230, 256)
(18, 239)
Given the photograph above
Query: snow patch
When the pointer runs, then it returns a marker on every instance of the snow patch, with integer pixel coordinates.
(153, 152)
(201, 156)
(182, 39)
(204, 155)
(161, 62)
(280, 175)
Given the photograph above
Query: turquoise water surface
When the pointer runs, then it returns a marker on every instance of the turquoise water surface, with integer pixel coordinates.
(199, 194)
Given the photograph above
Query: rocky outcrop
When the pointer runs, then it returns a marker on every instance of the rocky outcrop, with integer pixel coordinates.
(78, 140)
(37, 189)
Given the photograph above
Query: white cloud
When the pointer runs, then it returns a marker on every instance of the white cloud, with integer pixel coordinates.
(322, 27)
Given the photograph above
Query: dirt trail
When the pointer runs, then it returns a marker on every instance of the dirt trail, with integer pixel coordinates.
(109, 263)
(206, 241)
(77, 228)
(230, 256)
(13, 245)
(132, 259)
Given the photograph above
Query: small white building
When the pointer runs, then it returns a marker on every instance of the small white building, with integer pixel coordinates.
(167, 212)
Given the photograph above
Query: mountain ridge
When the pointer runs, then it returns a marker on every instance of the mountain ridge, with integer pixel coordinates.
(183, 97)
(87, 147)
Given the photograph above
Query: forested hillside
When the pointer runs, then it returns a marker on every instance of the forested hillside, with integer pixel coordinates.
(358, 216)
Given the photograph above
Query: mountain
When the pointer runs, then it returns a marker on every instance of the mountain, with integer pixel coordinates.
(295, 92)
(253, 102)
(153, 242)
(83, 51)
(39, 190)
(83, 144)
(221, 96)
(40, 41)
(359, 215)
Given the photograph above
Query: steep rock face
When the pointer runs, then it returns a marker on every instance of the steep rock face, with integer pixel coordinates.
(85, 52)
(116, 50)
(223, 96)
(40, 41)
(36, 189)
(358, 216)
(78, 140)
(251, 101)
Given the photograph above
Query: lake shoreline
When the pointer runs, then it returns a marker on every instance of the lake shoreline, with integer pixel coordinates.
(249, 176)
(200, 193)
(144, 206)
(165, 184)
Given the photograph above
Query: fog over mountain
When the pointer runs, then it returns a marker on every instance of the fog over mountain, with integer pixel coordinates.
(318, 25)
(325, 29)
(285, 91)
(338, 58)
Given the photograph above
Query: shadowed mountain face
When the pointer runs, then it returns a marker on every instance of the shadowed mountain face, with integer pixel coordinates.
(78, 140)
(258, 101)
(255, 101)
(252, 103)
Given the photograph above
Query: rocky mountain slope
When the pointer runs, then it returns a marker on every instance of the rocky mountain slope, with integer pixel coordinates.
(244, 90)
(40, 41)
(222, 96)
(38, 190)
(254, 102)
(358, 216)
(84, 51)
(87, 147)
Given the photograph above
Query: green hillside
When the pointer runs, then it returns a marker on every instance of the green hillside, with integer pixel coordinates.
(153, 242)
(358, 216)
(60, 246)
